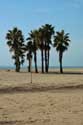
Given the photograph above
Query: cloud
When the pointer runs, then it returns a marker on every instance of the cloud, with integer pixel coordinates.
(73, 3)
(76, 3)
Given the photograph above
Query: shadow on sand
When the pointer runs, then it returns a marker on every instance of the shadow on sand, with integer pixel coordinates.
(9, 122)
(6, 122)
(66, 73)
(13, 90)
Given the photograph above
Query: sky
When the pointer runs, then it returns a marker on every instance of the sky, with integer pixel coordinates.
(31, 14)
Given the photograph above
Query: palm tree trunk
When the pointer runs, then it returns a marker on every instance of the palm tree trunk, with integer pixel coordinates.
(29, 67)
(42, 60)
(48, 55)
(48, 58)
(60, 60)
(46, 61)
(17, 67)
(17, 63)
(35, 60)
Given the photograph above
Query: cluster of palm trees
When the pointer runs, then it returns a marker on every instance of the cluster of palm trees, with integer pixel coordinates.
(40, 39)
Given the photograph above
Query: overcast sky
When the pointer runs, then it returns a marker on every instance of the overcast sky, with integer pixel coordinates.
(30, 14)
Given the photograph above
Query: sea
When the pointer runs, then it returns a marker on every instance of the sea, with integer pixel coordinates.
(51, 67)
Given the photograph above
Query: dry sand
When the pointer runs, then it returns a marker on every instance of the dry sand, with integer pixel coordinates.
(51, 99)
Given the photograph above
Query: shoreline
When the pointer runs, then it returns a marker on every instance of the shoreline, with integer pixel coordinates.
(39, 67)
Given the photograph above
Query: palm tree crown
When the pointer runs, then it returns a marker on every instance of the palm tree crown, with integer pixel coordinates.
(48, 33)
(16, 43)
(34, 38)
(61, 42)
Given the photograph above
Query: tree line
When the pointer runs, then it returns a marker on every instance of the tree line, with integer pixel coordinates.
(41, 39)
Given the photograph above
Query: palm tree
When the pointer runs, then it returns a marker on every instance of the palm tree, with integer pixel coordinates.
(48, 33)
(41, 46)
(61, 42)
(33, 36)
(29, 50)
(15, 41)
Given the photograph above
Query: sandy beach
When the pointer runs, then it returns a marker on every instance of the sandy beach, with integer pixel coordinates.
(51, 99)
